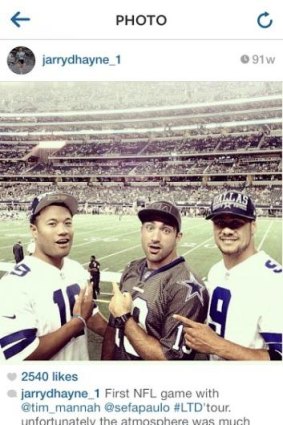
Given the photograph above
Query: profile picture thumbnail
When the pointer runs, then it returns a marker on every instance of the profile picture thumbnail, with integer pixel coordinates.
(21, 60)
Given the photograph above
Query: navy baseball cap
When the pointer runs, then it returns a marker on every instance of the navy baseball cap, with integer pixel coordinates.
(234, 203)
(166, 211)
(51, 198)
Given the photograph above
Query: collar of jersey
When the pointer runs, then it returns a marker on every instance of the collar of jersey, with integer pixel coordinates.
(161, 269)
(43, 264)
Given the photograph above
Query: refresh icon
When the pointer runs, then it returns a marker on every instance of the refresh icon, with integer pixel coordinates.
(263, 20)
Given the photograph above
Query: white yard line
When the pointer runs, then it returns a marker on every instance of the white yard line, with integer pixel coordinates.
(91, 241)
(11, 246)
(114, 236)
(193, 226)
(120, 252)
(117, 253)
(96, 229)
(265, 235)
(198, 246)
(102, 301)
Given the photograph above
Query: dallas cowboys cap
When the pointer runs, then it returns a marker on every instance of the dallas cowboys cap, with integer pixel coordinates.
(51, 198)
(234, 203)
(161, 210)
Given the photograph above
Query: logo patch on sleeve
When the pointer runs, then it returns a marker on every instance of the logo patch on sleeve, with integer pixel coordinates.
(195, 289)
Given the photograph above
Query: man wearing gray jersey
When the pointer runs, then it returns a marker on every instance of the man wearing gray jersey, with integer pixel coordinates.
(141, 326)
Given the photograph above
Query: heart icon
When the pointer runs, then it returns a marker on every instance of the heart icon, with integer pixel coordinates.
(12, 376)
(12, 393)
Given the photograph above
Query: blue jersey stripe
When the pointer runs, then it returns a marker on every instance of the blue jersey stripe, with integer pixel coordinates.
(21, 340)
(273, 340)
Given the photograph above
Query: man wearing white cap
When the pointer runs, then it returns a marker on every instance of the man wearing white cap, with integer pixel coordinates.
(246, 291)
(46, 302)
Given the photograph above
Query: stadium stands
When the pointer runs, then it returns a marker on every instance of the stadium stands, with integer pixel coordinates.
(122, 143)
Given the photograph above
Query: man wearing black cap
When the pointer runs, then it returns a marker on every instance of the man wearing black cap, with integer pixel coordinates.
(141, 326)
(246, 296)
(45, 302)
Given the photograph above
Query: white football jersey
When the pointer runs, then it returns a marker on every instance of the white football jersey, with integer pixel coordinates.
(246, 302)
(37, 299)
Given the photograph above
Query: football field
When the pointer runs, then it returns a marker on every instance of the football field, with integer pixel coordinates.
(115, 242)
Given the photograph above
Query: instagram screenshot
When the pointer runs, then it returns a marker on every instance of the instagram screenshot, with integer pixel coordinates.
(141, 212)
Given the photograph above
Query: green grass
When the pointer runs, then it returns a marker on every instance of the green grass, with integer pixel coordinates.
(116, 242)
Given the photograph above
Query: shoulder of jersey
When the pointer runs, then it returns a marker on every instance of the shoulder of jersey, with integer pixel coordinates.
(269, 264)
(20, 274)
(23, 268)
(182, 272)
(75, 266)
(217, 266)
(196, 279)
(135, 263)
(69, 262)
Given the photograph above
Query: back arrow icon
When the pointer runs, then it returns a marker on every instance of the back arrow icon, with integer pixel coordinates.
(17, 18)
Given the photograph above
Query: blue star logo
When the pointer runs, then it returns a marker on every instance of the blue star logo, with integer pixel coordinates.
(195, 289)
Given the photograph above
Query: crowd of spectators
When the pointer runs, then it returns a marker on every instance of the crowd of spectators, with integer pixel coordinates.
(110, 199)
(17, 150)
(190, 139)
(81, 96)
(162, 146)
(177, 145)
(13, 168)
(248, 163)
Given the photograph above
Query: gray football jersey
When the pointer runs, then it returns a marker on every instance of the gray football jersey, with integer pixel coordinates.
(157, 295)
